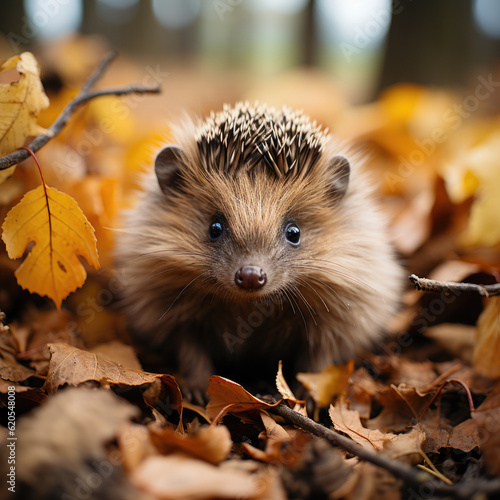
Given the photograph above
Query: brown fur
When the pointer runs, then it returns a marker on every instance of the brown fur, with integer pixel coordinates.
(323, 299)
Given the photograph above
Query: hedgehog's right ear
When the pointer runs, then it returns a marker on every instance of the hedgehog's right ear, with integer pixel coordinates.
(167, 167)
(340, 170)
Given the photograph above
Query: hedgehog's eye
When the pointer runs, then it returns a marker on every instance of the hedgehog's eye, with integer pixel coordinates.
(292, 233)
(216, 229)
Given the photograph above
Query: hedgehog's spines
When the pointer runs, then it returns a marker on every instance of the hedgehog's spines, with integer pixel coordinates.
(284, 141)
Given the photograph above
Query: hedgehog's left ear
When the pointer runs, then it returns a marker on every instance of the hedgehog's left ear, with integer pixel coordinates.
(167, 167)
(340, 171)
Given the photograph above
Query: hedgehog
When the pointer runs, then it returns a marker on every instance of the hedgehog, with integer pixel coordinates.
(256, 239)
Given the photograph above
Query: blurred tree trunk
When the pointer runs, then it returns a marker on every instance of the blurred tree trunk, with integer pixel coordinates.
(434, 43)
(310, 40)
(20, 37)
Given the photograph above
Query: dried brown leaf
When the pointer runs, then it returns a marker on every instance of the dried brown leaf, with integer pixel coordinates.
(135, 444)
(227, 396)
(487, 418)
(178, 477)
(10, 367)
(208, 442)
(72, 366)
(348, 422)
(67, 432)
(119, 353)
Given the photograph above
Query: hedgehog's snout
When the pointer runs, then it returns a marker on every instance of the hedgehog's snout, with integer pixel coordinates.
(250, 278)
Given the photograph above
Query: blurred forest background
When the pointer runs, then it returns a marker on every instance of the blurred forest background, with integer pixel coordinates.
(230, 46)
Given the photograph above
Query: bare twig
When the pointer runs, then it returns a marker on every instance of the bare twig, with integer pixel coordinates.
(411, 476)
(83, 96)
(427, 285)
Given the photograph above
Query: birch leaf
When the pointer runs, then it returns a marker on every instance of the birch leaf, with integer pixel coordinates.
(21, 102)
(54, 222)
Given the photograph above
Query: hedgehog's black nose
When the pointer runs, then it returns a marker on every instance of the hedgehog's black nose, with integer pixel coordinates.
(250, 278)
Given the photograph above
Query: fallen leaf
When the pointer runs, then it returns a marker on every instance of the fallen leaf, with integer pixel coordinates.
(54, 222)
(402, 444)
(348, 422)
(282, 385)
(10, 367)
(26, 397)
(401, 404)
(273, 429)
(464, 436)
(361, 392)
(73, 366)
(287, 393)
(286, 448)
(487, 345)
(208, 442)
(53, 326)
(119, 353)
(66, 438)
(178, 477)
(227, 396)
(454, 338)
(21, 102)
(328, 383)
(473, 170)
(135, 444)
(487, 418)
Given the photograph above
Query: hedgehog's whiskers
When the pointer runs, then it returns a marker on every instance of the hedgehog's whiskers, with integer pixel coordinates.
(182, 292)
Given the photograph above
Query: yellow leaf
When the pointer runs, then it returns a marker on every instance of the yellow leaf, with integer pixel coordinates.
(474, 170)
(60, 231)
(21, 102)
(487, 346)
(330, 382)
(348, 422)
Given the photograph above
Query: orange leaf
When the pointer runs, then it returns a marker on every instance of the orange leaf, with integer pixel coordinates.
(209, 443)
(327, 384)
(227, 396)
(61, 232)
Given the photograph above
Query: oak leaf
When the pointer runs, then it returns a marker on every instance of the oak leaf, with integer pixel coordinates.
(21, 102)
(61, 232)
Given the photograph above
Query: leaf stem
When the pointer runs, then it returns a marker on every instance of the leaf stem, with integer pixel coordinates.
(39, 168)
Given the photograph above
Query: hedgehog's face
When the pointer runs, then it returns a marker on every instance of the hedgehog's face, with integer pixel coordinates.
(254, 231)
(251, 239)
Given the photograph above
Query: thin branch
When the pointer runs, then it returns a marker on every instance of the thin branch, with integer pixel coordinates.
(427, 285)
(83, 96)
(410, 475)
